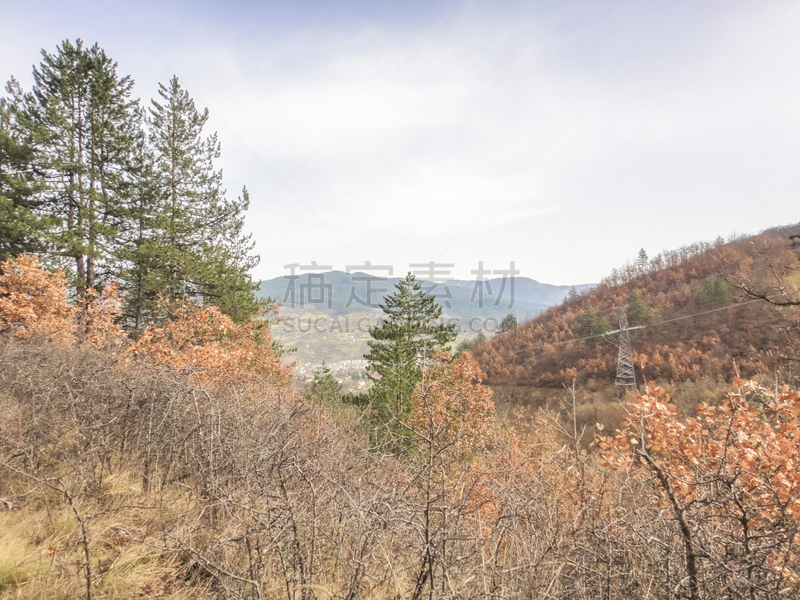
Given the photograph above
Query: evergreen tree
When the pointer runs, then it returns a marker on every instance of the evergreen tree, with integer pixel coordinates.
(325, 388)
(590, 324)
(715, 292)
(82, 126)
(408, 337)
(191, 244)
(140, 288)
(639, 312)
(642, 261)
(508, 323)
(21, 229)
(471, 343)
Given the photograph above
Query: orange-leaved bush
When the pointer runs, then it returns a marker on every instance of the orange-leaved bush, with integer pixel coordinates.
(730, 478)
(100, 318)
(213, 349)
(452, 405)
(33, 301)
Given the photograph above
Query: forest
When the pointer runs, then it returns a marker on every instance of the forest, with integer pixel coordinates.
(707, 313)
(154, 444)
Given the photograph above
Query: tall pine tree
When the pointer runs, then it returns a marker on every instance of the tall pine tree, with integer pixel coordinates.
(21, 228)
(82, 126)
(190, 243)
(408, 336)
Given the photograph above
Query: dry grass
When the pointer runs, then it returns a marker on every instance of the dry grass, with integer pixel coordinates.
(41, 556)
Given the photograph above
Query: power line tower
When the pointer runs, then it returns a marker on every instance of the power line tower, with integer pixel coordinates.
(626, 378)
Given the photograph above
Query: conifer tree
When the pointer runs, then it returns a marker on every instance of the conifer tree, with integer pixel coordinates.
(191, 244)
(472, 343)
(642, 261)
(82, 125)
(592, 324)
(407, 338)
(325, 388)
(639, 312)
(21, 229)
(139, 289)
(509, 323)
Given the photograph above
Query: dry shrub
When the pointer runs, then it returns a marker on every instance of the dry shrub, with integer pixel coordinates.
(186, 467)
(214, 349)
(727, 481)
(34, 301)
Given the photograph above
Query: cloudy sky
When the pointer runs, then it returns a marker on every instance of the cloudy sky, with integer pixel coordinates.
(560, 135)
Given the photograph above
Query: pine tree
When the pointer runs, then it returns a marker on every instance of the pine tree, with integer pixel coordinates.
(21, 229)
(82, 127)
(642, 261)
(407, 338)
(471, 344)
(592, 324)
(639, 312)
(191, 244)
(509, 323)
(325, 388)
(140, 288)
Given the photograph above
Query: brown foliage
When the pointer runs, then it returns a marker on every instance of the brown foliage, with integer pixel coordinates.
(213, 348)
(754, 337)
(451, 404)
(197, 340)
(729, 481)
(34, 301)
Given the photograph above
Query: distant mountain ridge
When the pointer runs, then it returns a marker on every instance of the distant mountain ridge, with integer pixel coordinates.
(327, 315)
(336, 292)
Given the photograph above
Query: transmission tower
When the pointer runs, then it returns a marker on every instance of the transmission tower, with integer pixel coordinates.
(626, 378)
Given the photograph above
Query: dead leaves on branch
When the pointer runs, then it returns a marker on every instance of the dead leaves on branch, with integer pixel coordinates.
(214, 349)
(34, 301)
(198, 340)
(730, 477)
(452, 404)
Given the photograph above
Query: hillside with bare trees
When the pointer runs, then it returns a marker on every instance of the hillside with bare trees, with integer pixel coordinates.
(707, 311)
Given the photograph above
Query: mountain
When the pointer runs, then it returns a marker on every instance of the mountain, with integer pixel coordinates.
(327, 315)
(529, 290)
(337, 292)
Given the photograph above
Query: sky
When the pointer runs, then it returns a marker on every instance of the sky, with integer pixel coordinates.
(563, 136)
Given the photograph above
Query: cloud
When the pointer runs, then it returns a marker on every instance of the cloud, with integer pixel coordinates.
(562, 137)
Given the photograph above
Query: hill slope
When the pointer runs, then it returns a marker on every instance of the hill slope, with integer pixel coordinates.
(695, 324)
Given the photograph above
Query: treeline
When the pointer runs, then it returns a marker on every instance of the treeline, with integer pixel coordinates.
(110, 190)
(666, 259)
(698, 323)
(181, 465)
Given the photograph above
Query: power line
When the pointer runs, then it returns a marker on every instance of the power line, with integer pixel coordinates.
(605, 335)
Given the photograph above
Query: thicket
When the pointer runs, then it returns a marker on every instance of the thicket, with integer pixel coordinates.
(170, 468)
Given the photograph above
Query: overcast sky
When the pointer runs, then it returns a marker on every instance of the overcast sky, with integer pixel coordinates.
(563, 136)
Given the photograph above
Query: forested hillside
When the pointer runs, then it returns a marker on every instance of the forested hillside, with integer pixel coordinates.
(696, 320)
